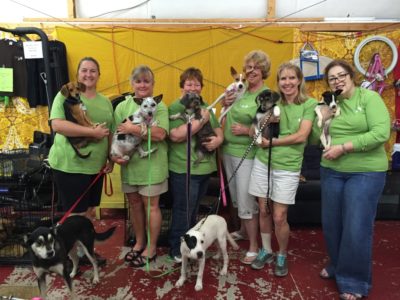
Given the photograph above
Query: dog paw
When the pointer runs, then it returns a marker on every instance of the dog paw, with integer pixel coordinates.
(223, 272)
(179, 283)
(72, 274)
(198, 287)
(125, 157)
(96, 280)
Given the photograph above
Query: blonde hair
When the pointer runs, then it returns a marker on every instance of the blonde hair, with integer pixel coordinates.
(140, 71)
(261, 59)
(302, 95)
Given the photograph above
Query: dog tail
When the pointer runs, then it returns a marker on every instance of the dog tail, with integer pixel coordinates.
(232, 241)
(102, 236)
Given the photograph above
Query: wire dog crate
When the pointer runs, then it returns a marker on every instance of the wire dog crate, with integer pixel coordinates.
(25, 202)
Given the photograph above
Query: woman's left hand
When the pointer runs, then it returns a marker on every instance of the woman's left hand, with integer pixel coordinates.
(126, 127)
(212, 143)
(265, 143)
(109, 167)
(333, 152)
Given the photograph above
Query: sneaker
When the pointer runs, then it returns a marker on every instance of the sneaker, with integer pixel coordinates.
(177, 259)
(281, 266)
(262, 258)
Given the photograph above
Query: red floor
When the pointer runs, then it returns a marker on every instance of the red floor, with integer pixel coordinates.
(306, 258)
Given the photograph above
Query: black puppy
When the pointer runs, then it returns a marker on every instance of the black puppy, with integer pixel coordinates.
(192, 103)
(267, 108)
(49, 249)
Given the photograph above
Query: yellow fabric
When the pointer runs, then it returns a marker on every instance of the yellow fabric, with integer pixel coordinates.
(169, 52)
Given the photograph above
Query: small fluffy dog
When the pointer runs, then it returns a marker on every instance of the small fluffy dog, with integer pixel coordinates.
(238, 86)
(267, 107)
(196, 241)
(49, 249)
(192, 103)
(326, 110)
(124, 145)
(75, 111)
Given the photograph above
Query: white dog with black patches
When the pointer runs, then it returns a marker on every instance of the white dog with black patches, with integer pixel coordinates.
(196, 241)
(123, 145)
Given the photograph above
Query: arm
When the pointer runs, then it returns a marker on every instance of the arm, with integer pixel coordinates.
(71, 129)
(179, 134)
(300, 136)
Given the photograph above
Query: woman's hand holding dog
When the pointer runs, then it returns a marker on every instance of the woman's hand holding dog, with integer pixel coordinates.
(229, 98)
(100, 131)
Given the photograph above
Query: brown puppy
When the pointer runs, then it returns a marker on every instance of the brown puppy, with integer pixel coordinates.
(75, 111)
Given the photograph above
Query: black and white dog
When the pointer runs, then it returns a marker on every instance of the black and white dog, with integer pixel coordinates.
(196, 241)
(326, 110)
(192, 103)
(238, 87)
(267, 108)
(123, 145)
(50, 248)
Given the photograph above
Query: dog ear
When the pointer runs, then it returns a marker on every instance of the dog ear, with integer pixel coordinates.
(138, 100)
(81, 87)
(64, 91)
(275, 96)
(233, 72)
(158, 98)
(338, 92)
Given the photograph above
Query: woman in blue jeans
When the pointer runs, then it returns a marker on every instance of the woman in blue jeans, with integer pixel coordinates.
(184, 211)
(353, 172)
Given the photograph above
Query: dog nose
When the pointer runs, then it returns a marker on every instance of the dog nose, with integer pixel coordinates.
(199, 254)
(50, 253)
(240, 86)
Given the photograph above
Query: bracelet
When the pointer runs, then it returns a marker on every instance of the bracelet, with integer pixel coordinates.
(344, 149)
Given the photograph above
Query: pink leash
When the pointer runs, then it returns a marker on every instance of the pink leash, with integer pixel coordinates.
(221, 181)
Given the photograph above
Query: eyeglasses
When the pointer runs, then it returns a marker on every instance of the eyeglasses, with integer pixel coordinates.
(340, 77)
(248, 68)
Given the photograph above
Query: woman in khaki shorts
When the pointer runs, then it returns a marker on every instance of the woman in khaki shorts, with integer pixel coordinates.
(144, 180)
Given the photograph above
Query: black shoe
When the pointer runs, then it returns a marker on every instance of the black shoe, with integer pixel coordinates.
(84, 261)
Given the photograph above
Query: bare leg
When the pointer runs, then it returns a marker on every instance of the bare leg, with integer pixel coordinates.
(251, 226)
(155, 224)
(282, 229)
(138, 219)
(265, 223)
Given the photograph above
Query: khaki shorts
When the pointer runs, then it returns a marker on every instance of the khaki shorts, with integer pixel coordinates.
(283, 184)
(146, 190)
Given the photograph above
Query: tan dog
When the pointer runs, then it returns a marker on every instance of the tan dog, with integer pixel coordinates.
(75, 111)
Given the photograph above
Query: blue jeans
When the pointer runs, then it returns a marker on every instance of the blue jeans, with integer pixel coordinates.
(180, 214)
(349, 202)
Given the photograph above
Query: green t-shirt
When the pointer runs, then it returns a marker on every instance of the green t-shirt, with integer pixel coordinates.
(177, 152)
(365, 121)
(242, 112)
(139, 170)
(290, 157)
(62, 156)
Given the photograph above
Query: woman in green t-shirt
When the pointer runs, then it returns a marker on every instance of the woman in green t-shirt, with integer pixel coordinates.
(143, 181)
(296, 119)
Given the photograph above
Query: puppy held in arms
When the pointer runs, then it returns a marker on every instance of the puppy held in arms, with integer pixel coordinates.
(238, 87)
(267, 109)
(196, 241)
(326, 110)
(192, 103)
(49, 249)
(124, 145)
(76, 112)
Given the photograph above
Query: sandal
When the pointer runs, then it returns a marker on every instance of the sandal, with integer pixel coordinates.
(140, 261)
(249, 258)
(324, 274)
(350, 296)
(238, 236)
(131, 255)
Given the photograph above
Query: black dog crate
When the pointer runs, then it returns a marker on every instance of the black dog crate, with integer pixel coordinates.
(25, 202)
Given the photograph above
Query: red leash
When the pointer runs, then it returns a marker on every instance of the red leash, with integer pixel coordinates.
(80, 198)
